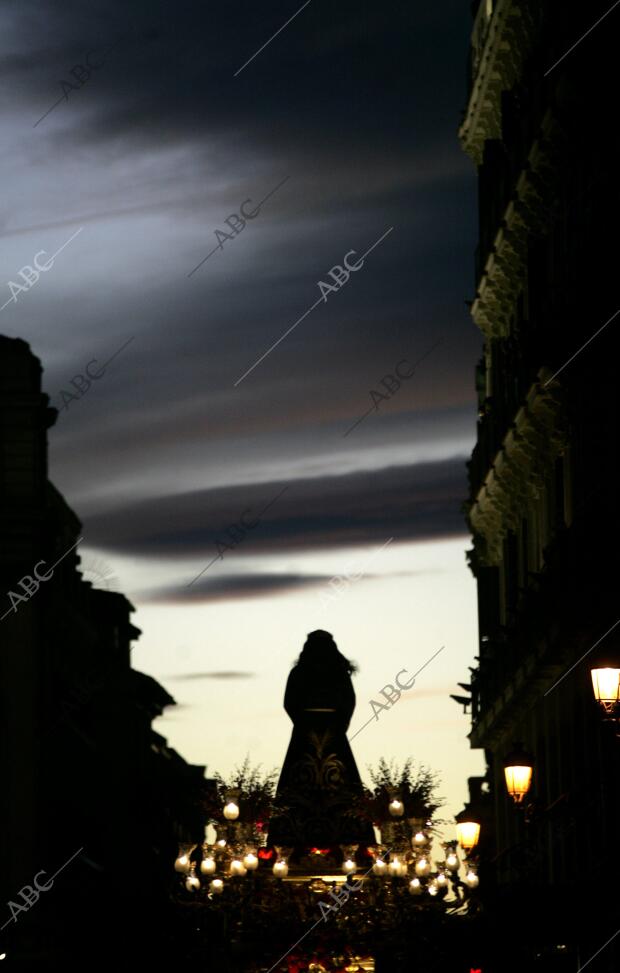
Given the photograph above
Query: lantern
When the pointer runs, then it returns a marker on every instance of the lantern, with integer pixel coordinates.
(207, 865)
(192, 882)
(217, 886)
(606, 686)
(280, 869)
(182, 863)
(415, 886)
(379, 867)
(467, 829)
(518, 769)
(472, 879)
(231, 811)
(250, 861)
(396, 808)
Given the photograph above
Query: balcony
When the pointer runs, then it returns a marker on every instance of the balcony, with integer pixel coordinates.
(503, 35)
(480, 32)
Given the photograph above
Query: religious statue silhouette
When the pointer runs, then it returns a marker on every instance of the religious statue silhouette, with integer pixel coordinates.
(320, 786)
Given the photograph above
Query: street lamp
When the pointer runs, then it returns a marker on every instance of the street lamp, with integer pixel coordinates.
(518, 769)
(467, 829)
(606, 686)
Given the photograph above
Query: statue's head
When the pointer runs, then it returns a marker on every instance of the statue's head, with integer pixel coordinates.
(321, 651)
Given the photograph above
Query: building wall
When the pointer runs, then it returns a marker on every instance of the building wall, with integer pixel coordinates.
(82, 771)
(544, 472)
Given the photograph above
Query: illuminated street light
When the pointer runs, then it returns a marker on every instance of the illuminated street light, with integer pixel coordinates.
(518, 769)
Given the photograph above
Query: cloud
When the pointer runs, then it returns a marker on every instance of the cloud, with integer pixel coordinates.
(224, 674)
(250, 585)
(417, 502)
(230, 586)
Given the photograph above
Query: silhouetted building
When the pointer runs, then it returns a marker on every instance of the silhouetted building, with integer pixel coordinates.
(84, 777)
(545, 470)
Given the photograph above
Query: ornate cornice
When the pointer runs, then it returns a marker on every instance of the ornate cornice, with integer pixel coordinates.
(509, 37)
(517, 476)
(527, 214)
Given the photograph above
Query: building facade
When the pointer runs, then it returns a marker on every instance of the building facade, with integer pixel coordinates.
(544, 473)
(89, 790)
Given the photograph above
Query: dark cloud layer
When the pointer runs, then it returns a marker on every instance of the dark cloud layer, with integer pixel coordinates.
(230, 586)
(412, 503)
(358, 104)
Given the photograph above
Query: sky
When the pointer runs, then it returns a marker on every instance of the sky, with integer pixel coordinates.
(222, 430)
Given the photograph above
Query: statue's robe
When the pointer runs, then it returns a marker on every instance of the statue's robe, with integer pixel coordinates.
(320, 783)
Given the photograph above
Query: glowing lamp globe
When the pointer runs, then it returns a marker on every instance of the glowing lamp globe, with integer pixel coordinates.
(606, 687)
(182, 864)
(192, 882)
(207, 866)
(250, 861)
(472, 879)
(231, 811)
(467, 829)
(518, 770)
(415, 887)
(396, 808)
(216, 886)
(379, 867)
